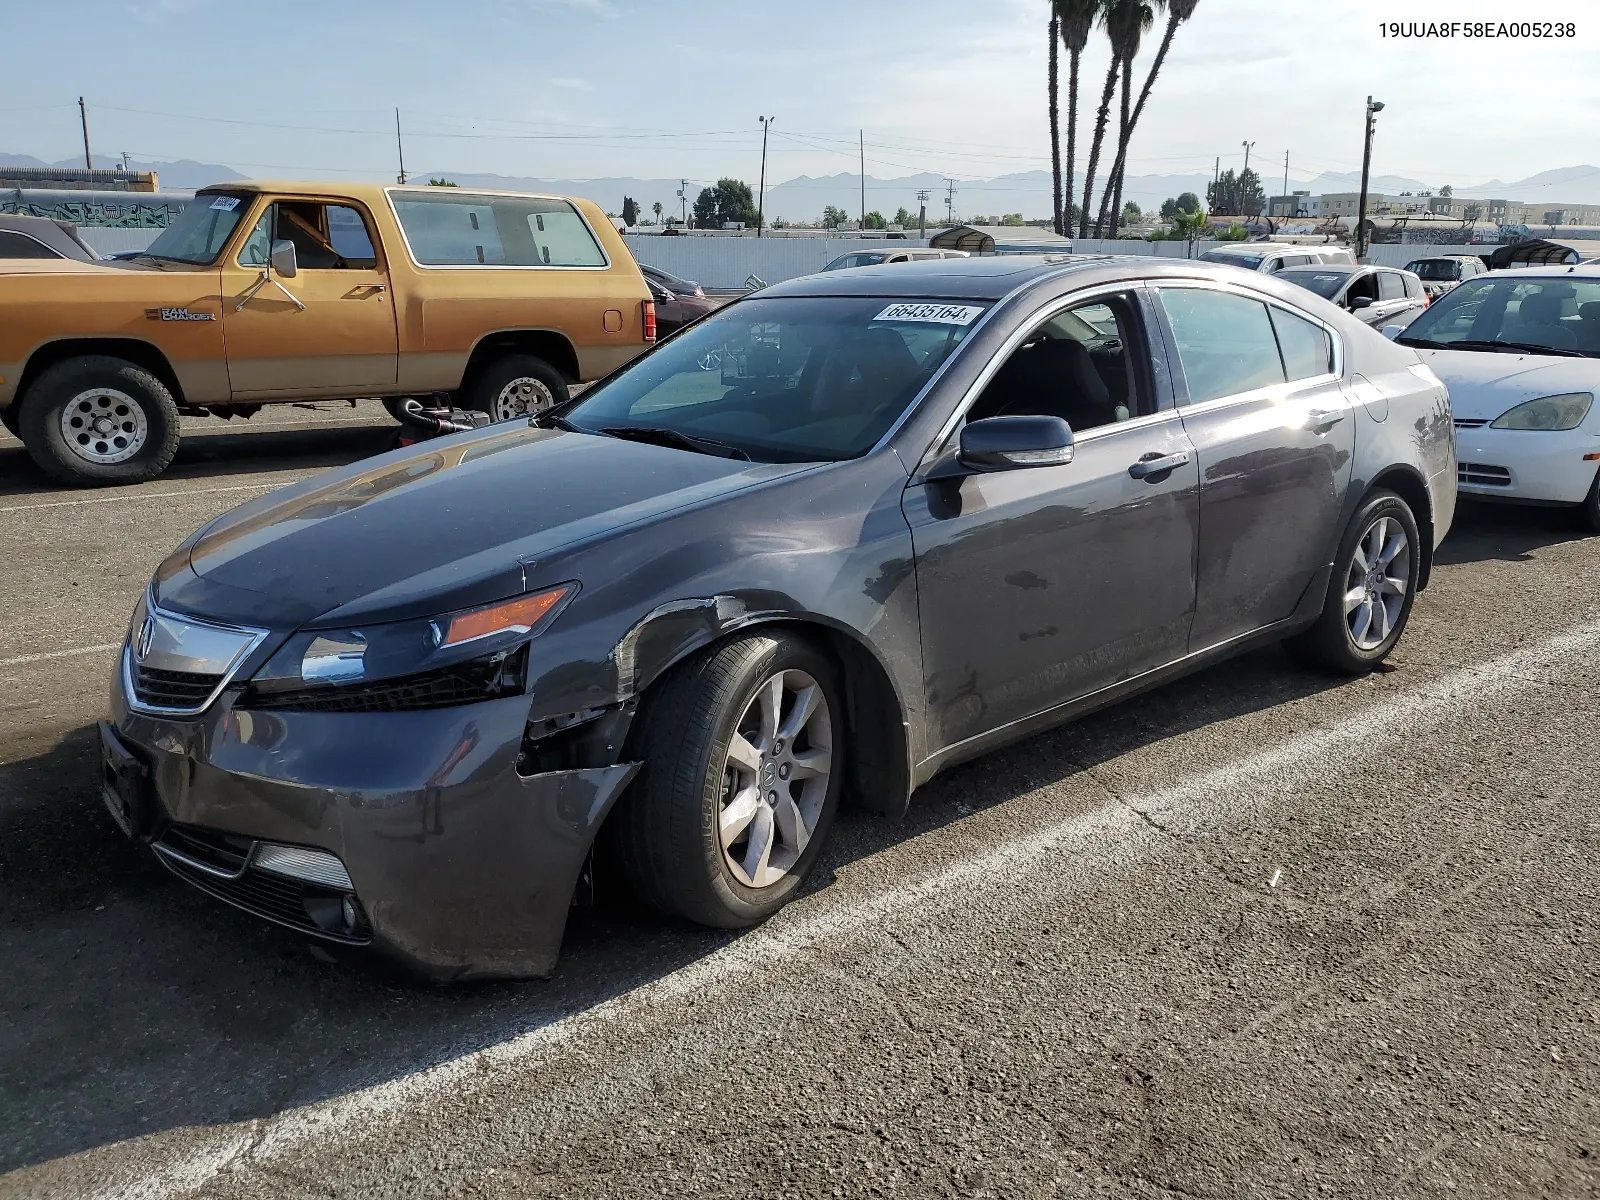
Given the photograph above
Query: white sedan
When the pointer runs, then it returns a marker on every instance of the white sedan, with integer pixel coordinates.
(1520, 352)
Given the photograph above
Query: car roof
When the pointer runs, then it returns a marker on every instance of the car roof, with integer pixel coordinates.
(1330, 269)
(987, 277)
(1559, 271)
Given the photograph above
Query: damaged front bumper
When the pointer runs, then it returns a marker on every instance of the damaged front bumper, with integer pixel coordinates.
(461, 841)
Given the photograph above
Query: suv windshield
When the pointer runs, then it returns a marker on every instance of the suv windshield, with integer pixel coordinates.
(1233, 258)
(1559, 315)
(1323, 282)
(200, 231)
(804, 379)
(1435, 270)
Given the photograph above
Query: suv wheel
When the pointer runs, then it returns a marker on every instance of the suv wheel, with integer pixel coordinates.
(743, 750)
(518, 385)
(1370, 595)
(99, 420)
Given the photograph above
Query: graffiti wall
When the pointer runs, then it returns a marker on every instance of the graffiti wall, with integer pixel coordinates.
(110, 210)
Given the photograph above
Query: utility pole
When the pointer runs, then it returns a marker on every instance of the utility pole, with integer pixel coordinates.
(950, 202)
(1286, 180)
(1247, 146)
(126, 169)
(1374, 107)
(399, 146)
(862, 135)
(922, 215)
(1216, 182)
(761, 204)
(683, 200)
(83, 118)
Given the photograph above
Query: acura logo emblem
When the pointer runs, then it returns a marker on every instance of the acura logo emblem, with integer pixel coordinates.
(147, 633)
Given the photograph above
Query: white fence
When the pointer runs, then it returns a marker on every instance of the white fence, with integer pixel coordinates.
(726, 262)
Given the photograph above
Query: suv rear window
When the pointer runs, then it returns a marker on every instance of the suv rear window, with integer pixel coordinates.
(460, 229)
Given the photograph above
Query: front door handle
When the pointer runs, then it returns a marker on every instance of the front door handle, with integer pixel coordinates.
(1323, 420)
(1158, 465)
(365, 289)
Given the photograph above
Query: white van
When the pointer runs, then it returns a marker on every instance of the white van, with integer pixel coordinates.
(1275, 256)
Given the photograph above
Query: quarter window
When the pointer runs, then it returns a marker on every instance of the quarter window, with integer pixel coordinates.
(1307, 348)
(466, 230)
(1225, 342)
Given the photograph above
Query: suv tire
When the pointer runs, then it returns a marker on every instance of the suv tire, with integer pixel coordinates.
(514, 386)
(98, 420)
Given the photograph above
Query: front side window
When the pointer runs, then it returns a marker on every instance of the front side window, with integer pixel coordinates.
(326, 237)
(803, 379)
(198, 234)
(1077, 365)
(460, 229)
(1555, 315)
(1225, 342)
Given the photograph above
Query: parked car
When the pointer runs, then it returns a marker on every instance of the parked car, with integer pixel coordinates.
(262, 293)
(39, 237)
(674, 310)
(1379, 296)
(1443, 272)
(825, 543)
(1518, 350)
(679, 287)
(877, 258)
(1269, 257)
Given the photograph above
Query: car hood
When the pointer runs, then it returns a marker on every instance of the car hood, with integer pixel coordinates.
(1484, 383)
(445, 525)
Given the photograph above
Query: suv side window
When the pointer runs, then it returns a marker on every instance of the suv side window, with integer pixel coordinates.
(326, 237)
(1391, 285)
(1225, 342)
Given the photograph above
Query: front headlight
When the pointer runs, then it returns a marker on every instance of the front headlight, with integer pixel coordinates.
(1565, 411)
(460, 658)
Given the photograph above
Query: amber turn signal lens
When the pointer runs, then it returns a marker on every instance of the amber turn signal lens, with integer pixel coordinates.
(509, 616)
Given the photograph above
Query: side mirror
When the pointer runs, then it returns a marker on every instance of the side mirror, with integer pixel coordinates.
(1007, 443)
(1357, 303)
(1393, 331)
(282, 259)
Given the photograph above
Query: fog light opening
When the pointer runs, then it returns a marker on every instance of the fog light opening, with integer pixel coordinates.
(347, 909)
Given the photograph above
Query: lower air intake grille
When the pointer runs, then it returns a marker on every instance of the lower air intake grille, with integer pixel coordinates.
(172, 689)
(1484, 475)
(1471, 422)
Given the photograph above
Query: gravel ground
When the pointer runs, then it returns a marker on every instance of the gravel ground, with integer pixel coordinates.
(1259, 933)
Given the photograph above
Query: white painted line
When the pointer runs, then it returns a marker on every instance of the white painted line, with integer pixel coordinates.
(25, 659)
(243, 487)
(262, 1141)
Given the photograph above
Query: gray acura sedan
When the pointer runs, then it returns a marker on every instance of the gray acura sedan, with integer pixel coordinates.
(812, 550)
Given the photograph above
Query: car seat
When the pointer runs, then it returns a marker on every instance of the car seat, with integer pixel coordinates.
(1539, 320)
(1054, 377)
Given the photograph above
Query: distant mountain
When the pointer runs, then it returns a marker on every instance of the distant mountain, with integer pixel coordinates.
(1565, 185)
(181, 176)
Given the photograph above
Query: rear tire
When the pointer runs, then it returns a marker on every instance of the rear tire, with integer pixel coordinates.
(1370, 594)
(516, 386)
(9, 418)
(743, 751)
(98, 420)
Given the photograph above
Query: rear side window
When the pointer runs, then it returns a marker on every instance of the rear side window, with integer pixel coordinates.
(467, 230)
(1307, 348)
(1391, 285)
(1225, 342)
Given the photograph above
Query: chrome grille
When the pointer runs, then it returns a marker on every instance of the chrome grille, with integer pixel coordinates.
(173, 689)
(1483, 474)
(1471, 422)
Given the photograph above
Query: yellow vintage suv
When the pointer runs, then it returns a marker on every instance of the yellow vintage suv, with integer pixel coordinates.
(263, 293)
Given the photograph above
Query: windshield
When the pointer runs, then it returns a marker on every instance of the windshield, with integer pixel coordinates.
(1324, 283)
(201, 230)
(1560, 315)
(804, 379)
(855, 260)
(1435, 270)
(1233, 258)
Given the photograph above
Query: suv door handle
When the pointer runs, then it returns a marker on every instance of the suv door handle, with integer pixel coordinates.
(1322, 419)
(1158, 465)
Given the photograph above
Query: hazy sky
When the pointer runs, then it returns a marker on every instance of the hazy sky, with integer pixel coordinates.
(582, 88)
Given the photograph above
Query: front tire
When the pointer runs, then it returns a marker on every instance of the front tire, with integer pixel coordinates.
(1370, 595)
(1590, 508)
(98, 420)
(743, 751)
(517, 386)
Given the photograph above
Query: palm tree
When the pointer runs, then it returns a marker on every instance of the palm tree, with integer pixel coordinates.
(1126, 23)
(1108, 14)
(1055, 114)
(656, 208)
(1178, 12)
(1076, 20)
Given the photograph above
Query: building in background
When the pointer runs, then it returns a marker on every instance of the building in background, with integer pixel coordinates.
(69, 179)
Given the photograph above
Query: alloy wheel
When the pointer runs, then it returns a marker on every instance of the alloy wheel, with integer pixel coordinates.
(524, 396)
(1377, 582)
(104, 426)
(775, 779)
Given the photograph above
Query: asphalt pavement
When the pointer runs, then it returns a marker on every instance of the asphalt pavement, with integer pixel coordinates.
(1261, 933)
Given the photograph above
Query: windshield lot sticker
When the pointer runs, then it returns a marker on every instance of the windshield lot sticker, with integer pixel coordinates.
(225, 203)
(937, 314)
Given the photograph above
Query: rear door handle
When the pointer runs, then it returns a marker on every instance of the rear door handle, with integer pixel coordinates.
(1159, 465)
